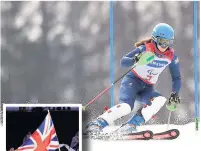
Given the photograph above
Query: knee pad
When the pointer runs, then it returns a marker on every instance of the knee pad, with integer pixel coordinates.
(149, 111)
(116, 112)
(127, 101)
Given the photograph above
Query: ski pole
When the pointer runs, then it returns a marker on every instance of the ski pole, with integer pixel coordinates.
(169, 116)
(106, 89)
(145, 58)
(171, 106)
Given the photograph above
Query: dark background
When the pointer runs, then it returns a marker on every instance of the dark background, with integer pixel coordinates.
(18, 124)
(59, 52)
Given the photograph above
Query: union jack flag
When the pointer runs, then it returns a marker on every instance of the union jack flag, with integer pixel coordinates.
(43, 139)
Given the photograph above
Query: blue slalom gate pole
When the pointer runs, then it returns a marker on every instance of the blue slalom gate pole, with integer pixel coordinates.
(196, 65)
(111, 54)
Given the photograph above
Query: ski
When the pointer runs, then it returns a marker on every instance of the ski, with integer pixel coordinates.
(167, 135)
(142, 135)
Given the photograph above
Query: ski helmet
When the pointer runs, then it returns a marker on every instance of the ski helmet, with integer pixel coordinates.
(163, 35)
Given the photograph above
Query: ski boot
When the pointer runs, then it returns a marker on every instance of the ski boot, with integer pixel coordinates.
(131, 125)
(95, 128)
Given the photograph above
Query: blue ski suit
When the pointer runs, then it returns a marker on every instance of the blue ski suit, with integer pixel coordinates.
(140, 81)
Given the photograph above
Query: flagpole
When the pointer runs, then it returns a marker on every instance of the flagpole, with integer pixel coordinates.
(55, 130)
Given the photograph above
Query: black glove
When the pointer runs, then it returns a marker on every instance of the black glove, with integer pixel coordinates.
(173, 101)
(136, 58)
(174, 98)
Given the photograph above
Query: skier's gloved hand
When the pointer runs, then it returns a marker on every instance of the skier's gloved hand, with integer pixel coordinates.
(173, 101)
(136, 58)
(174, 98)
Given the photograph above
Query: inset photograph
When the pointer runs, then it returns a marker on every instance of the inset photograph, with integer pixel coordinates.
(32, 127)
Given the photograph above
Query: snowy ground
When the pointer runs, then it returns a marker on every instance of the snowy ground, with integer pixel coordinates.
(188, 139)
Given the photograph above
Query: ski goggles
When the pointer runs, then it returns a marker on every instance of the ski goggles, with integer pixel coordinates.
(164, 43)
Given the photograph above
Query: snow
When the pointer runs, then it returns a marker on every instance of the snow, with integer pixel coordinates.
(188, 139)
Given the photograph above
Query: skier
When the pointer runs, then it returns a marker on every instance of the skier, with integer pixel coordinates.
(140, 81)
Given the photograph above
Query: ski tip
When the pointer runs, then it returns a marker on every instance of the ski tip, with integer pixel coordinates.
(148, 135)
(142, 135)
(167, 135)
